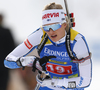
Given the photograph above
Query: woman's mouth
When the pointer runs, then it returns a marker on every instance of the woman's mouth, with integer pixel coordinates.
(54, 36)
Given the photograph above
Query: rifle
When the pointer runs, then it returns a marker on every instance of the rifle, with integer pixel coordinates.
(70, 15)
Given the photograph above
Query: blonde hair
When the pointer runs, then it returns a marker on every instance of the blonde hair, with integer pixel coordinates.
(56, 6)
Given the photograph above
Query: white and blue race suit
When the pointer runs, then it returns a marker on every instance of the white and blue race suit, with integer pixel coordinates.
(62, 66)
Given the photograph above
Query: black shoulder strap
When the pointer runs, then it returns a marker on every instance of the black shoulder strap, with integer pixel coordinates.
(68, 47)
(41, 45)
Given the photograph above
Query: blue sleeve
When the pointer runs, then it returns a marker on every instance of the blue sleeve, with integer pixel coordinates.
(11, 65)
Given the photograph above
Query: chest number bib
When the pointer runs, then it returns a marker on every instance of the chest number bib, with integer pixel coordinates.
(58, 69)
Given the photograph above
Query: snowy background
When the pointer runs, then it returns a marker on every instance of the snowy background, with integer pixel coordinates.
(24, 16)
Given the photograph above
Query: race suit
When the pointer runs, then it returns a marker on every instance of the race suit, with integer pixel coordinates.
(62, 66)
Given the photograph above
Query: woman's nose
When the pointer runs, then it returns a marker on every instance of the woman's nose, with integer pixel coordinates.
(51, 30)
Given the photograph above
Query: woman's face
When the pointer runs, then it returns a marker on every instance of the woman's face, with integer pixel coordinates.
(58, 34)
